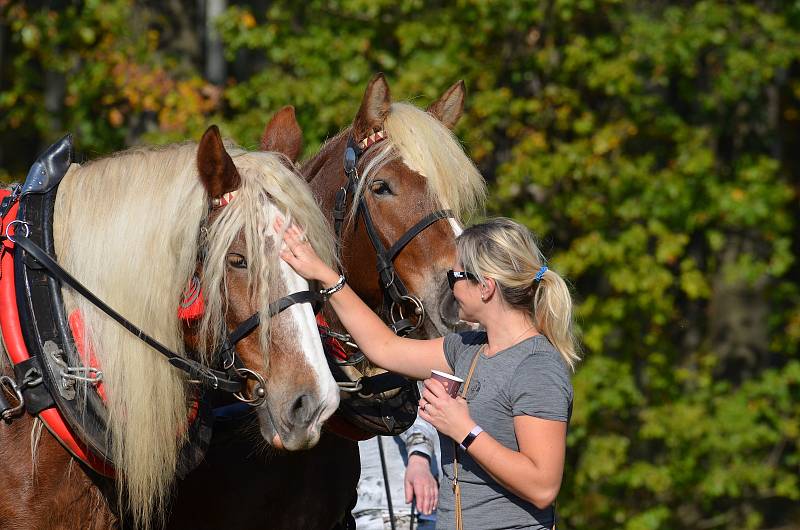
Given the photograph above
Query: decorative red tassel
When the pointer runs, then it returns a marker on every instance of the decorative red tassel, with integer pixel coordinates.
(192, 305)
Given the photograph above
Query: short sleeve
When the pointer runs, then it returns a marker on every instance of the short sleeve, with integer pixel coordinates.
(452, 344)
(456, 343)
(541, 388)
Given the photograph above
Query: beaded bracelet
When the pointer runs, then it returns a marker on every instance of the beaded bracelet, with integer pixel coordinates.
(335, 288)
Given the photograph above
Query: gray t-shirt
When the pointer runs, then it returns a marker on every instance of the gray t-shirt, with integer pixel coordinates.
(529, 378)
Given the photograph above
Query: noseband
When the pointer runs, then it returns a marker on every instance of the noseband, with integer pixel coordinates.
(395, 294)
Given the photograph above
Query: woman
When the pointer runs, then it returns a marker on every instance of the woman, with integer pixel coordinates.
(512, 427)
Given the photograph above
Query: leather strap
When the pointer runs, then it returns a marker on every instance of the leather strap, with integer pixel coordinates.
(456, 485)
(208, 376)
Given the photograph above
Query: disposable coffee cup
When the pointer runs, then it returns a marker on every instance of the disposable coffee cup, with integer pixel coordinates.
(451, 383)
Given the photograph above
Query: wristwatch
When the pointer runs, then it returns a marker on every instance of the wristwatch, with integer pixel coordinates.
(466, 442)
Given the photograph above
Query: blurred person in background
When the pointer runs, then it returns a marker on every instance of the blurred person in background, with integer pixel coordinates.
(412, 469)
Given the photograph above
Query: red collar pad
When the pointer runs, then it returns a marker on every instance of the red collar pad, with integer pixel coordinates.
(18, 352)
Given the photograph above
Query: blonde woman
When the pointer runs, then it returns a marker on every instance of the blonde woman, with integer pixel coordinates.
(512, 427)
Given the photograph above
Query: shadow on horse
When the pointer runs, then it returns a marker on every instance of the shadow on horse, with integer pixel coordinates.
(133, 230)
(393, 186)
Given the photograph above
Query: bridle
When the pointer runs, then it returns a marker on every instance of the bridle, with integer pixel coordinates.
(232, 379)
(395, 294)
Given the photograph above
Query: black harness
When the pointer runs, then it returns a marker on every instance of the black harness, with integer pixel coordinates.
(395, 293)
(371, 402)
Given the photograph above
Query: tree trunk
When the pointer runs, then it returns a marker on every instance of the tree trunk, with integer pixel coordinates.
(215, 57)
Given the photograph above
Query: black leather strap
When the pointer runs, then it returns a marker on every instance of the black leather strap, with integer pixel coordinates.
(207, 376)
(416, 230)
(275, 308)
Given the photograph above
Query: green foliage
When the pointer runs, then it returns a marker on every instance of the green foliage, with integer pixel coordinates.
(95, 70)
(651, 146)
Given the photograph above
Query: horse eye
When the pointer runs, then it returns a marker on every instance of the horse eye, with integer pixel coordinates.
(379, 187)
(237, 261)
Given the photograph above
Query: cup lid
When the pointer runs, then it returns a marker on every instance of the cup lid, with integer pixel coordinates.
(446, 376)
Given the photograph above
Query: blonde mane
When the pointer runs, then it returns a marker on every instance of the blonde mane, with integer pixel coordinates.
(428, 147)
(128, 227)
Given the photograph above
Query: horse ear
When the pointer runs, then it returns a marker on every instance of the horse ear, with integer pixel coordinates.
(217, 172)
(283, 134)
(374, 107)
(449, 108)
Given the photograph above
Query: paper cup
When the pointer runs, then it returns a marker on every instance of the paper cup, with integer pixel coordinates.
(451, 383)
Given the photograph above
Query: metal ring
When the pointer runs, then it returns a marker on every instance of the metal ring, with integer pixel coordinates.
(12, 223)
(247, 373)
(12, 385)
(419, 310)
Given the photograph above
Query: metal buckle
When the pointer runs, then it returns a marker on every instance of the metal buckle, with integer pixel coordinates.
(93, 375)
(17, 222)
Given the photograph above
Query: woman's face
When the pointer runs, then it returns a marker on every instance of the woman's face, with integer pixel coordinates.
(468, 295)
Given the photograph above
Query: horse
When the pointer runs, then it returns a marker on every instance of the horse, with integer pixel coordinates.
(413, 180)
(135, 229)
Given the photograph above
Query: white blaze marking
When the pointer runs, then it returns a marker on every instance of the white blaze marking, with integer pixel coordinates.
(306, 324)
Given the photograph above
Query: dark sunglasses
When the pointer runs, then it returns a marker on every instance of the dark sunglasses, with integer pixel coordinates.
(454, 276)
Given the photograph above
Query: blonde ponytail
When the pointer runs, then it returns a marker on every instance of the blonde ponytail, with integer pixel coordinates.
(552, 315)
(506, 251)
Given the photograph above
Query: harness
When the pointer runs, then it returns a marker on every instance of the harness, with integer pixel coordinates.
(371, 402)
(395, 293)
(50, 379)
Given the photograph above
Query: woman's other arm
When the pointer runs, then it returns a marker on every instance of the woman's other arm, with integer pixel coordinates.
(534, 473)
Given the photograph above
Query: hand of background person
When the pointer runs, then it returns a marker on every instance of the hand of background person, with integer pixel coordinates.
(300, 255)
(420, 484)
(449, 416)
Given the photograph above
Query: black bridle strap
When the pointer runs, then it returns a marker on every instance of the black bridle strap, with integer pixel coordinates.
(415, 230)
(275, 308)
(207, 376)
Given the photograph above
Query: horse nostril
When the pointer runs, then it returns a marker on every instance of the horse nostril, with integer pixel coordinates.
(303, 409)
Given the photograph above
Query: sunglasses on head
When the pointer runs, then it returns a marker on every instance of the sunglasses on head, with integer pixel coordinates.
(454, 276)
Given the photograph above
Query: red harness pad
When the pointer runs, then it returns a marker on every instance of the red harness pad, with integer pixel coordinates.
(18, 352)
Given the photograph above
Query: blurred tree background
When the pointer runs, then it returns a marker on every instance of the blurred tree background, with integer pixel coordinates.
(653, 146)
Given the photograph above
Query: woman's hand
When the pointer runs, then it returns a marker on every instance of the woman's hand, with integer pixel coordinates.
(420, 484)
(300, 255)
(449, 416)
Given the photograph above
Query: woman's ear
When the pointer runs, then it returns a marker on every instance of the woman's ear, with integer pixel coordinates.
(488, 288)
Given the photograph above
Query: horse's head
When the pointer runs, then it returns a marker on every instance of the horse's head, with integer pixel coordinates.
(408, 166)
(288, 377)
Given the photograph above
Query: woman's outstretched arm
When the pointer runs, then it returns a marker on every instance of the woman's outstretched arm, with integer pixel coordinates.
(410, 357)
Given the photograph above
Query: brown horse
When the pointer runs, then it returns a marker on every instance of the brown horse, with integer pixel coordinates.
(134, 228)
(418, 169)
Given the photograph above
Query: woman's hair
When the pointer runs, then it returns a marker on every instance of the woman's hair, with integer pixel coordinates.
(506, 251)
